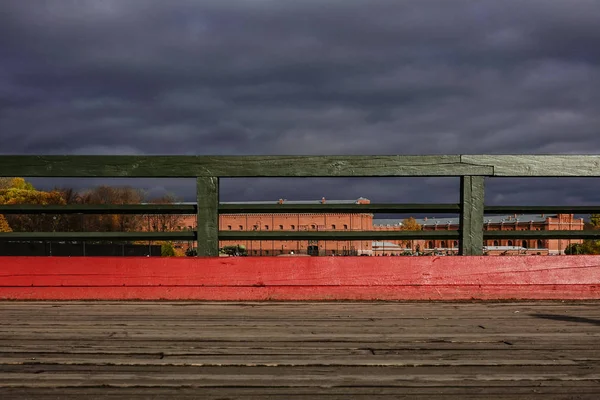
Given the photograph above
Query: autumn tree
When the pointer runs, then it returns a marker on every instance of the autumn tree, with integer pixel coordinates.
(410, 224)
(588, 246)
(163, 222)
(19, 191)
(114, 196)
(4, 226)
(595, 221)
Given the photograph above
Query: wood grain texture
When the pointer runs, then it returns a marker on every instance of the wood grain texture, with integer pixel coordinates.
(301, 278)
(117, 236)
(324, 350)
(237, 166)
(300, 166)
(472, 196)
(99, 209)
(207, 199)
(338, 208)
(538, 165)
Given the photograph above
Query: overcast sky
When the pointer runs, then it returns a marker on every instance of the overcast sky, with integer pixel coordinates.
(307, 77)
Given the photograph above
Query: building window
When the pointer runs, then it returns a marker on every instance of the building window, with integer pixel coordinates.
(496, 243)
(266, 227)
(510, 242)
(280, 227)
(241, 227)
(255, 227)
(455, 244)
(540, 244)
(443, 244)
(333, 227)
(345, 226)
(524, 243)
(266, 252)
(228, 227)
(313, 227)
(430, 245)
(293, 227)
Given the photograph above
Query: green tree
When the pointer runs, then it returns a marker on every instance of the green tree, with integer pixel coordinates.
(587, 247)
(595, 221)
(167, 249)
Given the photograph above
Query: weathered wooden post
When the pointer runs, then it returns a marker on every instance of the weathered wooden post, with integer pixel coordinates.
(207, 198)
(471, 215)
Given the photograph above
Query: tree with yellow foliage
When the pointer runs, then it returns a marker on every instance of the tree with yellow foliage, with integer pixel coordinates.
(19, 191)
(410, 224)
(4, 226)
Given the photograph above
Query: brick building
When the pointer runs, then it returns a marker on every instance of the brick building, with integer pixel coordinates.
(319, 222)
(521, 222)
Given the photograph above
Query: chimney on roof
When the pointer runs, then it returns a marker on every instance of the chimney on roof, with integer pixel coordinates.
(323, 200)
(280, 201)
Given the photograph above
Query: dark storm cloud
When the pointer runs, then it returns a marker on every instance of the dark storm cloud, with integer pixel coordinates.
(303, 77)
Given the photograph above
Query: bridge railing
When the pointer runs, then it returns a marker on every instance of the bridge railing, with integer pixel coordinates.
(207, 170)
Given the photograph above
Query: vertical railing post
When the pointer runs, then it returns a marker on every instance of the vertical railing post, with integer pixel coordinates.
(471, 215)
(207, 197)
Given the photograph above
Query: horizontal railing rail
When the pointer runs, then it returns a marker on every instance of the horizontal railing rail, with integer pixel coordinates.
(471, 169)
(228, 208)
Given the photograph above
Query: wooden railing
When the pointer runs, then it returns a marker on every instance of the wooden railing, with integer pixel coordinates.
(207, 170)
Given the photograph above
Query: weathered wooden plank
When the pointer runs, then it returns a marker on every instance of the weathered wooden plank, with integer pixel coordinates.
(99, 209)
(310, 166)
(335, 235)
(237, 166)
(230, 208)
(140, 350)
(226, 208)
(83, 236)
(471, 219)
(301, 278)
(221, 272)
(207, 197)
(558, 234)
(542, 209)
(538, 165)
(493, 391)
(294, 235)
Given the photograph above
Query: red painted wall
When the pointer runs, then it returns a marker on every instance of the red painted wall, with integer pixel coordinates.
(300, 278)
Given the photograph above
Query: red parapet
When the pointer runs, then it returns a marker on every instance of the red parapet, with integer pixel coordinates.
(301, 278)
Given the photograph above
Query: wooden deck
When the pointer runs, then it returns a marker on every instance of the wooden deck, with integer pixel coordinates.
(211, 350)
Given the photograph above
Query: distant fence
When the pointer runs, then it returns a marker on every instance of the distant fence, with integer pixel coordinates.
(207, 170)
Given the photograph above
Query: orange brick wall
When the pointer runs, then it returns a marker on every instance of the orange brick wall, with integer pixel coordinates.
(358, 222)
(295, 222)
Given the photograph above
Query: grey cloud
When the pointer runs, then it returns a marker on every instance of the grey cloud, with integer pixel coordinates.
(303, 77)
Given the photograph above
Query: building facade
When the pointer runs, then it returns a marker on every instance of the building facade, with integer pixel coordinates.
(516, 222)
(300, 222)
(326, 222)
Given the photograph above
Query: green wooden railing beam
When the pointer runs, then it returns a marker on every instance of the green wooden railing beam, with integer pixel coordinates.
(338, 208)
(97, 236)
(237, 166)
(471, 219)
(98, 209)
(207, 197)
(542, 210)
(558, 234)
